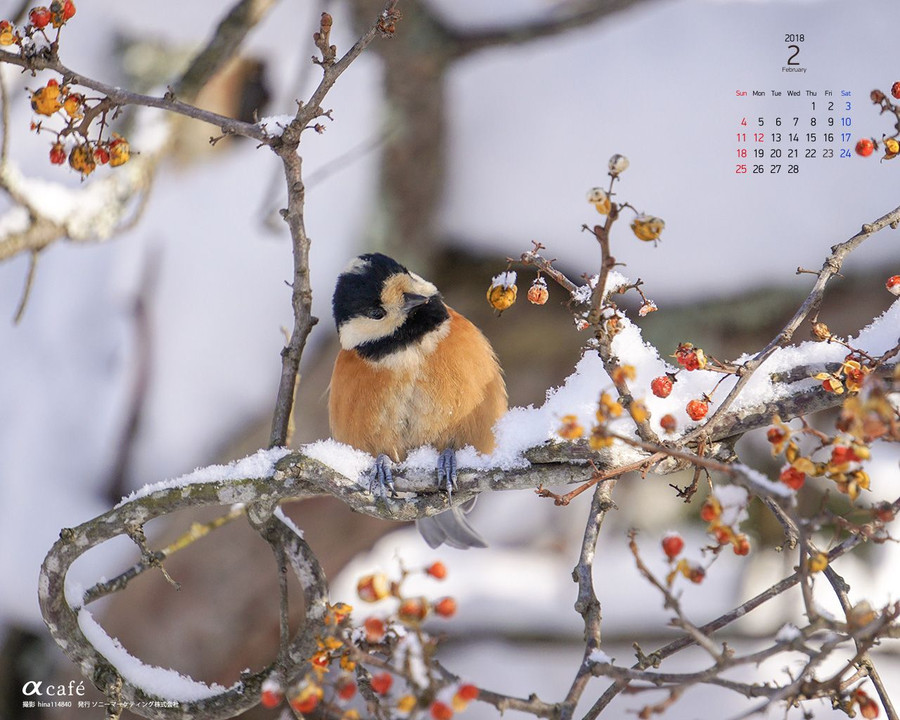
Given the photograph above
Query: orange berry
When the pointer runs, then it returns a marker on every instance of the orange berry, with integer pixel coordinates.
(441, 711)
(538, 293)
(375, 629)
(437, 570)
(865, 147)
(445, 607)
(697, 409)
(711, 510)
(741, 545)
(467, 692)
(662, 386)
(39, 17)
(381, 683)
(57, 154)
(672, 545)
(271, 695)
(81, 158)
(413, 610)
(346, 689)
(792, 477)
(372, 588)
(689, 357)
(119, 151)
(668, 423)
(893, 284)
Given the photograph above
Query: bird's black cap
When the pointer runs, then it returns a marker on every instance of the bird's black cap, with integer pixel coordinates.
(359, 288)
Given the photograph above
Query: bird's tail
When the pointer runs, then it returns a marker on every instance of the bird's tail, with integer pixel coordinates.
(451, 527)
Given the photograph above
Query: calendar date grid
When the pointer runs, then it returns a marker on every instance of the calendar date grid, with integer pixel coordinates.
(782, 131)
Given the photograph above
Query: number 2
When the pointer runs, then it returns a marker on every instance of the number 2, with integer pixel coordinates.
(791, 57)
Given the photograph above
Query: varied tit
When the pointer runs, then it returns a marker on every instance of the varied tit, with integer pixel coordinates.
(411, 372)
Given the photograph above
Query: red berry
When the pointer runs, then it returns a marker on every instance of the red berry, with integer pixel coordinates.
(865, 147)
(661, 386)
(101, 155)
(895, 89)
(437, 570)
(697, 409)
(741, 545)
(39, 17)
(271, 695)
(58, 154)
(668, 423)
(381, 683)
(467, 692)
(68, 9)
(441, 711)
(375, 629)
(445, 607)
(270, 699)
(893, 284)
(840, 454)
(792, 477)
(672, 545)
(346, 689)
(710, 510)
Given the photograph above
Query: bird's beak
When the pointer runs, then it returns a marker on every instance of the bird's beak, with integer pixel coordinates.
(412, 300)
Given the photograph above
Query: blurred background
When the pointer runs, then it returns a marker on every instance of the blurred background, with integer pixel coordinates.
(453, 146)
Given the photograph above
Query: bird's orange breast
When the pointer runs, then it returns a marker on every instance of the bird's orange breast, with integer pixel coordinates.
(447, 397)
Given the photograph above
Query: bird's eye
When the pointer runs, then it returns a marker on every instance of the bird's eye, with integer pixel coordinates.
(376, 313)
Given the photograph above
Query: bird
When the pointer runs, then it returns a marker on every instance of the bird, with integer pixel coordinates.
(411, 371)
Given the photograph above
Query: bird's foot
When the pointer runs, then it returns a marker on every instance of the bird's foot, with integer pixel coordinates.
(380, 479)
(446, 470)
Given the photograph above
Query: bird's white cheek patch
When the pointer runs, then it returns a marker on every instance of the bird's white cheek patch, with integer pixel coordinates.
(359, 330)
(410, 358)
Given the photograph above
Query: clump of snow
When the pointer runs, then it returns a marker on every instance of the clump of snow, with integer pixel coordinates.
(504, 279)
(347, 460)
(259, 464)
(876, 338)
(279, 513)
(598, 657)
(777, 489)
(787, 633)
(157, 681)
(733, 499)
(274, 125)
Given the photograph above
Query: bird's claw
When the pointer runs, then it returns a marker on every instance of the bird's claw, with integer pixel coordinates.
(380, 479)
(446, 470)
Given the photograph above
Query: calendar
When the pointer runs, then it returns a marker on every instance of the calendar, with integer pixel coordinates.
(791, 125)
(792, 129)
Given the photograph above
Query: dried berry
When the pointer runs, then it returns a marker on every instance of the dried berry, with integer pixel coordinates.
(502, 292)
(39, 17)
(647, 227)
(538, 293)
(697, 409)
(119, 151)
(792, 477)
(57, 154)
(662, 386)
(599, 198)
(865, 147)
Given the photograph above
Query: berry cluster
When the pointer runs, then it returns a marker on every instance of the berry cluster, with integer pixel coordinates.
(890, 144)
(76, 142)
(383, 653)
